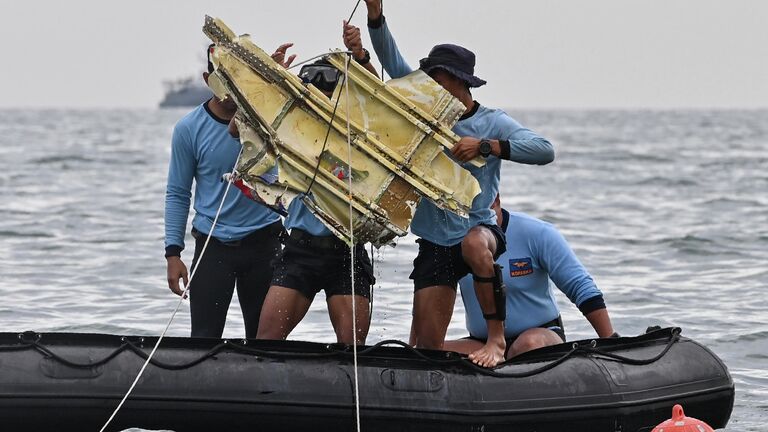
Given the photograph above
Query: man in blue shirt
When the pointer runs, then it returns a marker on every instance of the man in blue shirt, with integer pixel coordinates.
(313, 259)
(245, 238)
(450, 246)
(536, 252)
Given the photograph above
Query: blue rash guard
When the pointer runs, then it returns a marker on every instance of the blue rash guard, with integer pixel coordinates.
(299, 216)
(443, 227)
(536, 252)
(203, 150)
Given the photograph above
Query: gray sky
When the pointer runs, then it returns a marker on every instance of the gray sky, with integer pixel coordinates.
(533, 53)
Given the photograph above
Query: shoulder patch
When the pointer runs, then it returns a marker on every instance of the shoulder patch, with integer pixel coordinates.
(520, 266)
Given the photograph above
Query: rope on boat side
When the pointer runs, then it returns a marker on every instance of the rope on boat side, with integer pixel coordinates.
(181, 298)
(345, 83)
(325, 141)
(352, 243)
(333, 350)
(352, 235)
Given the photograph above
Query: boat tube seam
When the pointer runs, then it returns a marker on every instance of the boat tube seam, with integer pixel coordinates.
(419, 410)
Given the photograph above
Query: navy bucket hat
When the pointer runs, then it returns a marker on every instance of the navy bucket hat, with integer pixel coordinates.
(456, 60)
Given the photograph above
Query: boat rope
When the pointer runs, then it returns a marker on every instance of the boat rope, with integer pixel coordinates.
(591, 349)
(322, 55)
(353, 11)
(183, 295)
(382, 63)
(30, 340)
(345, 84)
(325, 140)
(373, 272)
(352, 241)
(352, 234)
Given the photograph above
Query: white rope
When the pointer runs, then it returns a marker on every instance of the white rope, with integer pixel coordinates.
(352, 247)
(181, 299)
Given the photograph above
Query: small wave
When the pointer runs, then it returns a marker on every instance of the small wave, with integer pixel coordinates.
(638, 241)
(666, 181)
(25, 234)
(99, 328)
(751, 337)
(725, 201)
(61, 159)
(648, 158)
(17, 212)
(735, 161)
(693, 245)
(688, 239)
(634, 157)
(757, 356)
(102, 241)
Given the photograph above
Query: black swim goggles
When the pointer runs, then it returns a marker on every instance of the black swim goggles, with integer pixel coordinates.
(322, 76)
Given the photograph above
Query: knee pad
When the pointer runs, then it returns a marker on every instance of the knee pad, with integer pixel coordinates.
(499, 294)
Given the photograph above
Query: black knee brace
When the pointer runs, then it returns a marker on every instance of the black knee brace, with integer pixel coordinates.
(499, 294)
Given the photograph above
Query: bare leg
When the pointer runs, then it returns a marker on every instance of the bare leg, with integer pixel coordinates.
(432, 310)
(340, 311)
(412, 340)
(283, 309)
(528, 340)
(532, 339)
(463, 346)
(477, 248)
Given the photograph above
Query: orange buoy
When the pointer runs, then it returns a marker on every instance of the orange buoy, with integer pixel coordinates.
(680, 423)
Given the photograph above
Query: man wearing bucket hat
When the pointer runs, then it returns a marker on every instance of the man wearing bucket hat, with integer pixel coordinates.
(451, 247)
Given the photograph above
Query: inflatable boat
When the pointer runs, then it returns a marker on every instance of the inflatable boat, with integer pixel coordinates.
(73, 382)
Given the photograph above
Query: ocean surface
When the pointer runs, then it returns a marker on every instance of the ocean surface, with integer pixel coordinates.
(668, 210)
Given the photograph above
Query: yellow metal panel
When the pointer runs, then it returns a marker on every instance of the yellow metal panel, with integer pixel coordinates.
(398, 132)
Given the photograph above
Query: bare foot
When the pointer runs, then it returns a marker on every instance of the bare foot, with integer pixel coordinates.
(491, 354)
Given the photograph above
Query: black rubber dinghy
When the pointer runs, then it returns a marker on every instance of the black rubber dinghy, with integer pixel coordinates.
(72, 382)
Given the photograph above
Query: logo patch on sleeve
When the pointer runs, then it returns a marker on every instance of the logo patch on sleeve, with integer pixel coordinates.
(520, 267)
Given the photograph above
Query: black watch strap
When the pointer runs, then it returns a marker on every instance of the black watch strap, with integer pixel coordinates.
(365, 60)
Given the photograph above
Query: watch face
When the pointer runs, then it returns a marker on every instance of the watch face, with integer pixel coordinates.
(485, 148)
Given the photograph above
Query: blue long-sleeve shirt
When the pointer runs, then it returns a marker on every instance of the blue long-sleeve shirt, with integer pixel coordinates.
(299, 216)
(202, 150)
(441, 226)
(536, 252)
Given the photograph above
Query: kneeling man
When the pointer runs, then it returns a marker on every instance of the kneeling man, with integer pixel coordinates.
(536, 252)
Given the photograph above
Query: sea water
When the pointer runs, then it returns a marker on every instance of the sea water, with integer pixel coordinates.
(667, 209)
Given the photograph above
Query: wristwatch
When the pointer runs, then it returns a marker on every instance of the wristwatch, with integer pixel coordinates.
(485, 147)
(365, 59)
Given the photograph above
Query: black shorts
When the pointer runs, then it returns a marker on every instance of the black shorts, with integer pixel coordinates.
(556, 325)
(444, 265)
(309, 264)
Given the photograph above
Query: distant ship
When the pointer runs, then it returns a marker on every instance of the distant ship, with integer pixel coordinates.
(185, 92)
